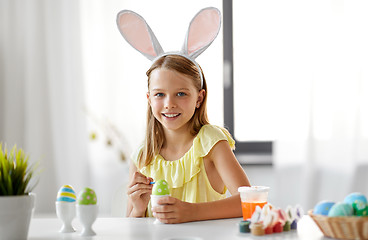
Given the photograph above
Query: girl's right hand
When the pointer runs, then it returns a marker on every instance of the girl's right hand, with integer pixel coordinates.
(139, 192)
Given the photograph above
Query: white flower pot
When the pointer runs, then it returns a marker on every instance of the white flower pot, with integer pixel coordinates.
(15, 216)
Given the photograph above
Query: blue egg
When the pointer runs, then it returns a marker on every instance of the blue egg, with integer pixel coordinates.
(341, 209)
(66, 194)
(353, 197)
(323, 207)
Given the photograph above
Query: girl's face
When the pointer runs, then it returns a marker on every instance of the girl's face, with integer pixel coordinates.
(173, 98)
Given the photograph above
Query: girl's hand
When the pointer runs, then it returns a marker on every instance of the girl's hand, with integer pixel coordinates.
(139, 191)
(172, 210)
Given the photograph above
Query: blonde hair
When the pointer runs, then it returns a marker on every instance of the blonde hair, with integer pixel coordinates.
(154, 138)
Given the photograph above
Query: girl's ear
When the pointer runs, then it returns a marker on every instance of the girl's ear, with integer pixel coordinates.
(203, 29)
(201, 95)
(148, 98)
(138, 34)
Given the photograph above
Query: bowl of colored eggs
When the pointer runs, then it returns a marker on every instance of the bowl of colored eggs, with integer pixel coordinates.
(347, 219)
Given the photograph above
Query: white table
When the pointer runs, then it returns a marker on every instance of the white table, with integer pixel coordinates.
(143, 228)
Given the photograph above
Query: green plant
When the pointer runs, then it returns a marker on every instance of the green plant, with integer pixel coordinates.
(15, 172)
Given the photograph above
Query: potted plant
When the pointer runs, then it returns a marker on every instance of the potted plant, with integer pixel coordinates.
(16, 200)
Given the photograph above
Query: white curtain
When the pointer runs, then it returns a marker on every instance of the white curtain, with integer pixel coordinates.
(321, 151)
(41, 92)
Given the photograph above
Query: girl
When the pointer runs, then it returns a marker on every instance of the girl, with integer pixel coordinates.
(181, 147)
(194, 157)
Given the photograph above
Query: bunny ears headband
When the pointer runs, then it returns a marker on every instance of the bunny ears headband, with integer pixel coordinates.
(202, 31)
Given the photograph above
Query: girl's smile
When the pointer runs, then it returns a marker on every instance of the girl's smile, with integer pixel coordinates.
(171, 115)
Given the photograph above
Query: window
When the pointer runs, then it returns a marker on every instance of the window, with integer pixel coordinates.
(289, 64)
(253, 139)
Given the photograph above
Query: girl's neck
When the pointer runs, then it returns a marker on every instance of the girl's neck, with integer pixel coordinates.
(177, 143)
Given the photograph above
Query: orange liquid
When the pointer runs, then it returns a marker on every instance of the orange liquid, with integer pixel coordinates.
(248, 208)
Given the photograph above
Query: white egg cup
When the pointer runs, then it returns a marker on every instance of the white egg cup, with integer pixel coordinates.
(65, 211)
(154, 200)
(87, 215)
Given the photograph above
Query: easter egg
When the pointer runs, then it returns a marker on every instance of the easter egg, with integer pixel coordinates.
(360, 208)
(161, 187)
(66, 194)
(341, 209)
(323, 207)
(87, 197)
(352, 197)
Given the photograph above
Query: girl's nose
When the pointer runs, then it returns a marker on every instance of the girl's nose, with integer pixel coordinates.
(170, 103)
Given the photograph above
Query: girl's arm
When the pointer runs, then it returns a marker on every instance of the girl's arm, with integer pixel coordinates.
(226, 164)
(172, 210)
(233, 176)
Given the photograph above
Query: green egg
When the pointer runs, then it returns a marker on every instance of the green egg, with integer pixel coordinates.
(360, 208)
(87, 197)
(161, 187)
(341, 209)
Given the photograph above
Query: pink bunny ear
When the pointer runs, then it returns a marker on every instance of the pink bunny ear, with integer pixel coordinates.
(202, 31)
(138, 34)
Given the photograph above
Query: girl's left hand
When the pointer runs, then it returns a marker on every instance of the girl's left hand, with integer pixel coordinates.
(172, 210)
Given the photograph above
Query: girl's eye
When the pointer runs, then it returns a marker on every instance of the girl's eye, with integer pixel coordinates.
(181, 94)
(159, 95)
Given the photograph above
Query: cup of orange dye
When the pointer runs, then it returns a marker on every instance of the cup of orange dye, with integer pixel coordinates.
(252, 197)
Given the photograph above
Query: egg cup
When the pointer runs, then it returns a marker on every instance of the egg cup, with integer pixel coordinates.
(154, 200)
(65, 211)
(87, 215)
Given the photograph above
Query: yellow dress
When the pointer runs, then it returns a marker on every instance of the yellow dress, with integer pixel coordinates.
(187, 176)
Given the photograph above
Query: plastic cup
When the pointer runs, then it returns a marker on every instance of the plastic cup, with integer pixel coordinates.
(251, 197)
